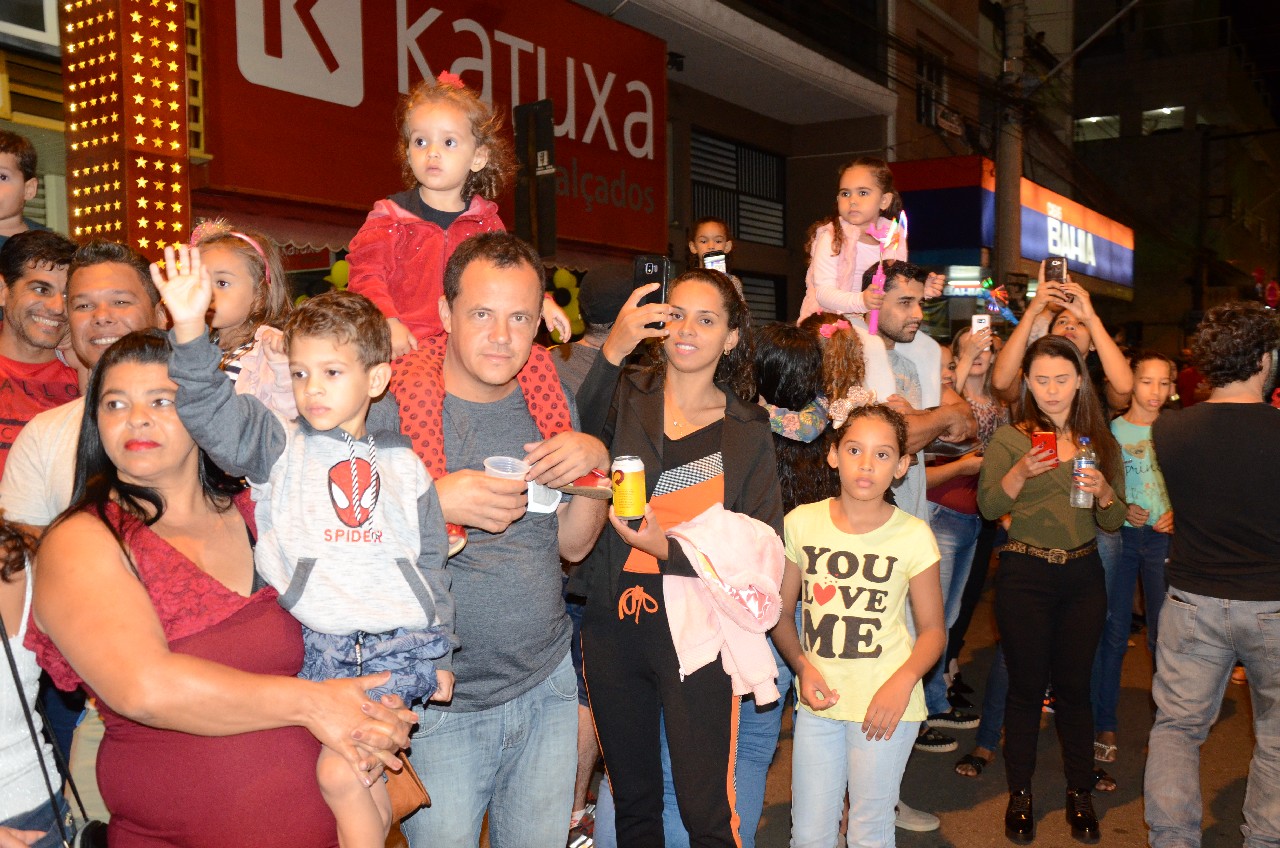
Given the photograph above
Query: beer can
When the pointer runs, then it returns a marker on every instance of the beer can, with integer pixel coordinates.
(627, 473)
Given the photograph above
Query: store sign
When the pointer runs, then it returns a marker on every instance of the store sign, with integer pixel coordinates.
(300, 103)
(1091, 243)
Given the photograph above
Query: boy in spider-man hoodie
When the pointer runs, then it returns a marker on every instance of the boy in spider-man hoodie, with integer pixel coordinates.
(350, 528)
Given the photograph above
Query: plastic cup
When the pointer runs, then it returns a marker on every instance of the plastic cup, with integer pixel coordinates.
(506, 467)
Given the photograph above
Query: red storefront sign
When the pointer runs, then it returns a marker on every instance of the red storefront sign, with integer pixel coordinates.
(300, 100)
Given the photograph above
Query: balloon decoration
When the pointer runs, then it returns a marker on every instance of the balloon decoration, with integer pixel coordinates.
(337, 276)
(997, 300)
(565, 291)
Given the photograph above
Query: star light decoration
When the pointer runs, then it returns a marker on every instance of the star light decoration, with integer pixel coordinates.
(125, 81)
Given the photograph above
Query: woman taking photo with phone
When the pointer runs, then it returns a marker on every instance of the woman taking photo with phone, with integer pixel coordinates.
(1051, 601)
(693, 421)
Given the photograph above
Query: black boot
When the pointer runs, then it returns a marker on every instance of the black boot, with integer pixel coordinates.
(1019, 818)
(1081, 817)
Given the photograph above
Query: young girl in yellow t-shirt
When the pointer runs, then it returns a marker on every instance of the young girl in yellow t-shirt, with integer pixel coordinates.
(854, 561)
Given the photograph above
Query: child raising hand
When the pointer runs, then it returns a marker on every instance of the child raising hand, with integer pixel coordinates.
(351, 532)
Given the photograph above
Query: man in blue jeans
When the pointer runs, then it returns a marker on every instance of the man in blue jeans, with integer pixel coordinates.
(505, 745)
(1220, 460)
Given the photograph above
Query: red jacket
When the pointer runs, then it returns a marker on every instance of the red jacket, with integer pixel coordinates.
(397, 260)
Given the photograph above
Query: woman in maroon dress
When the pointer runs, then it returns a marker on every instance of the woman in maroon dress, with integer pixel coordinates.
(145, 595)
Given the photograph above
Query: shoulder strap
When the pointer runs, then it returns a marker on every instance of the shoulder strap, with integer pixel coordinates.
(35, 737)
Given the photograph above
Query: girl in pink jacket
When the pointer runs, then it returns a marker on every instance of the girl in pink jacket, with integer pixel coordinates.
(456, 162)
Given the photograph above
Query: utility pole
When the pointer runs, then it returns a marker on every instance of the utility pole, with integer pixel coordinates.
(1009, 146)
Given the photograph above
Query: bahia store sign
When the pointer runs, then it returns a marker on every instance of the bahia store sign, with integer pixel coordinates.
(1091, 243)
(952, 204)
(300, 99)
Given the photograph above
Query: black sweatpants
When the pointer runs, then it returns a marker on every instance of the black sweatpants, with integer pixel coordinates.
(633, 679)
(1050, 619)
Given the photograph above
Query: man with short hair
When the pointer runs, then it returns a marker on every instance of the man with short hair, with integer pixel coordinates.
(904, 368)
(1219, 459)
(33, 284)
(109, 294)
(505, 745)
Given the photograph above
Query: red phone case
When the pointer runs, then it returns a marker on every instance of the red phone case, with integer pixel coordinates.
(1048, 441)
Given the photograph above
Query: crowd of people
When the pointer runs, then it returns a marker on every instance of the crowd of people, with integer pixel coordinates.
(323, 555)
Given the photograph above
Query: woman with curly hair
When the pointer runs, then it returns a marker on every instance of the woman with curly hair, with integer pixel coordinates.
(693, 420)
(1219, 460)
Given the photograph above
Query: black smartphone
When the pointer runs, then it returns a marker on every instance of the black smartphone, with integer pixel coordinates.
(1055, 270)
(716, 260)
(651, 268)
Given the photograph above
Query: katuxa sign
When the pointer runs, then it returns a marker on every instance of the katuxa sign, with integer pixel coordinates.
(300, 99)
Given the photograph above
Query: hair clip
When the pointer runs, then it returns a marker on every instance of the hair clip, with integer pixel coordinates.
(451, 79)
(212, 228)
(857, 396)
(832, 327)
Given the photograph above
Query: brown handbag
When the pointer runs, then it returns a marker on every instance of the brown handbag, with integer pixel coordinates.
(406, 791)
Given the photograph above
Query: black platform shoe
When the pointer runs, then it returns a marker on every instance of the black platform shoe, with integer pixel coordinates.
(1019, 818)
(1081, 817)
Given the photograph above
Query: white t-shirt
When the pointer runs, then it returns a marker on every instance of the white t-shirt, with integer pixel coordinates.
(40, 471)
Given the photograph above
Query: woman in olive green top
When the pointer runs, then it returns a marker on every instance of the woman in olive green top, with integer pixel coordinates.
(1051, 598)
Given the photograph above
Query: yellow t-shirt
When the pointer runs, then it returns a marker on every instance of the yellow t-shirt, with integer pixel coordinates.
(854, 596)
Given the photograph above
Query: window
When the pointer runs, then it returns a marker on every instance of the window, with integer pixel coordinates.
(766, 296)
(930, 93)
(1098, 127)
(743, 185)
(1166, 119)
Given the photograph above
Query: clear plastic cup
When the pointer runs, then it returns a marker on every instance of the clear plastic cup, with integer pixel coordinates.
(506, 467)
(541, 498)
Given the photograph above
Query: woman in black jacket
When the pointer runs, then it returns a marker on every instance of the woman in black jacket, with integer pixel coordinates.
(690, 419)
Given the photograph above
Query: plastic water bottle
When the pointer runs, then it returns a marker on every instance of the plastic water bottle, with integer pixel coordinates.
(1085, 458)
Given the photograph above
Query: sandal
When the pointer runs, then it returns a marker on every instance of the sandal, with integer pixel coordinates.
(1104, 753)
(973, 762)
(1102, 781)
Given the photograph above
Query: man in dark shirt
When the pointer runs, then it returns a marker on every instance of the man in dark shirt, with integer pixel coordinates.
(1219, 460)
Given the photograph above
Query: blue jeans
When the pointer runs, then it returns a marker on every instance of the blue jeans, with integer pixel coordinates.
(1201, 638)
(829, 755)
(41, 818)
(1148, 551)
(993, 699)
(1107, 662)
(957, 535)
(516, 761)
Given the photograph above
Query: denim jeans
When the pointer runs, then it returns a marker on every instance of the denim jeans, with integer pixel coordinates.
(1104, 684)
(1143, 554)
(997, 690)
(1149, 552)
(42, 818)
(1201, 638)
(829, 755)
(957, 535)
(516, 761)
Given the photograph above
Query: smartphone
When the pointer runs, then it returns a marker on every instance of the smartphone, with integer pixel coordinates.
(651, 268)
(1055, 270)
(1046, 441)
(980, 321)
(716, 260)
